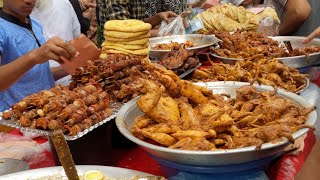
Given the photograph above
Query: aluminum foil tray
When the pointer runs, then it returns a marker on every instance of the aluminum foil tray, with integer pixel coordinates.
(130, 111)
(15, 124)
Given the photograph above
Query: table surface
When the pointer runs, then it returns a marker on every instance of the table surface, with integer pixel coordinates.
(136, 158)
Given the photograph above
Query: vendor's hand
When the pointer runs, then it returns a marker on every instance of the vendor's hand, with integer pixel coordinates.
(247, 2)
(313, 35)
(54, 49)
(165, 16)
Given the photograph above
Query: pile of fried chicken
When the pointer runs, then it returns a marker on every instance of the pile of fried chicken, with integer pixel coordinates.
(268, 72)
(243, 45)
(191, 117)
(172, 45)
(118, 73)
(180, 60)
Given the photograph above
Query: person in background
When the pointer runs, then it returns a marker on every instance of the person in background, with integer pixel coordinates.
(84, 19)
(156, 6)
(314, 34)
(57, 18)
(298, 17)
(24, 69)
(125, 9)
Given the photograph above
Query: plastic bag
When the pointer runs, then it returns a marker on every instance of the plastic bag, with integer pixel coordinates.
(175, 27)
(268, 26)
(22, 148)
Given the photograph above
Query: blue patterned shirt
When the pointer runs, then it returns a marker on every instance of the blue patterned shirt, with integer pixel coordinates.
(16, 39)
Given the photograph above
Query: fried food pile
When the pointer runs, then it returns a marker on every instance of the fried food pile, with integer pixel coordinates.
(118, 76)
(129, 37)
(232, 18)
(243, 45)
(60, 108)
(264, 71)
(179, 60)
(172, 45)
(193, 118)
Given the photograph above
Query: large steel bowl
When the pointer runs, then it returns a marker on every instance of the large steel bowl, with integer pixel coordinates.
(200, 41)
(130, 111)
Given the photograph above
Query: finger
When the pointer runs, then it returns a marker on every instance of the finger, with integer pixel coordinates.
(55, 57)
(72, 52)
(313, 35)
(172, 14)
(60, 52)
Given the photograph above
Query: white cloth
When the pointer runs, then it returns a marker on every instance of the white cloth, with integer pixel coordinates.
(58, 18)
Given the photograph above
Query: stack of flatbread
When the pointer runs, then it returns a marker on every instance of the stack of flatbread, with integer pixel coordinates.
(231, 18)
(129, 37)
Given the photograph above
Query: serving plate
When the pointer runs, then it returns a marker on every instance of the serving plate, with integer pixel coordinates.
(130, 111)
(58, 173)
(294, 61)
(200, 41)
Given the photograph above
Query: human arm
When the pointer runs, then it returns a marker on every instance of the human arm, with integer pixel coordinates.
(53, 49)
(198, 3)
(162, 16)
(295, 13)
(313, 35)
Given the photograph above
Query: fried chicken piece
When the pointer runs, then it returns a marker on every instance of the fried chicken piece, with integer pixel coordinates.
(175, 58)
(165, 111)
(161, 138)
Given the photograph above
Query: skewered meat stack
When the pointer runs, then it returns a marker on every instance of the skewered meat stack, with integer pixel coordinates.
(267, 72)
(193, 118)
(60, 108)
(179, 60)
(254, 45)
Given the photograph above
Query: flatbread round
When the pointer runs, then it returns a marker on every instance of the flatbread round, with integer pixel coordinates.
(124, 35)
(129, 25)
(124, 46)
(115, 50)
(127, 41)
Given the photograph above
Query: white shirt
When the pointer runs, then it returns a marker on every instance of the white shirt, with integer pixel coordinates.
(57, 18)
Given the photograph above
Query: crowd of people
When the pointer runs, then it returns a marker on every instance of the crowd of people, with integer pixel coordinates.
(33, 32)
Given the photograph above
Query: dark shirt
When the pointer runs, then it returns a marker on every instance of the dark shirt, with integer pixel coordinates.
(84, 22)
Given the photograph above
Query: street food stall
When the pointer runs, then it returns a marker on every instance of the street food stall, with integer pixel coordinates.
(182, 106)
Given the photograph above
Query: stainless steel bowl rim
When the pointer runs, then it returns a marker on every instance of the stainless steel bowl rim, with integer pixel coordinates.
(293, 96)
(281, 58)
(180, 36)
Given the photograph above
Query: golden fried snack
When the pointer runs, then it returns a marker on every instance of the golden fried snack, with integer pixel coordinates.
(128, 25)
(118, 50)
(143, 39)
(125, 35)
(124, 45)
(161, 138)
(166, 111)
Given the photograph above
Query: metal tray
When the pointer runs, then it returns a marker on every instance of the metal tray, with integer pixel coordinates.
(201, 42)
(15, 124)
(58, 173)
(130, 111)
(294, 61)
